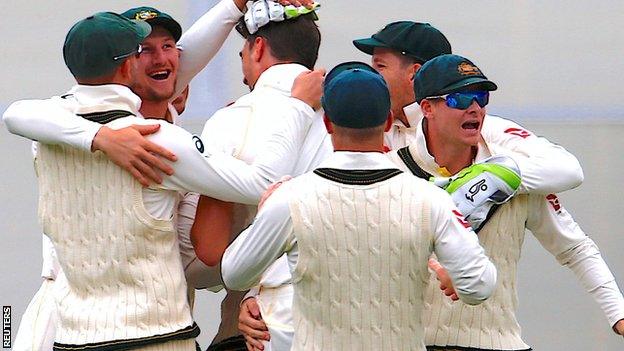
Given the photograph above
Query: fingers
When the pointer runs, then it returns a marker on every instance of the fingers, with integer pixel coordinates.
(308, 87)
(151, 147)
(253, 308)
(291, 2)
(138, 176)
(146, 171)
(251, 325)
(148, 157)
(253, 344)
(146, 129)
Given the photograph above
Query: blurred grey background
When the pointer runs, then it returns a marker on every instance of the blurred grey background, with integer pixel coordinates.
(558, 65)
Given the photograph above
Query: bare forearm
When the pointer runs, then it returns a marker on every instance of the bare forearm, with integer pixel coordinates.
(211, 230)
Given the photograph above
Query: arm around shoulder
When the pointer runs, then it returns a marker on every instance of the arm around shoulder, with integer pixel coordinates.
(546, 167)
(48, 122)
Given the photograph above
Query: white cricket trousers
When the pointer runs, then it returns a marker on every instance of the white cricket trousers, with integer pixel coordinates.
(276, 308)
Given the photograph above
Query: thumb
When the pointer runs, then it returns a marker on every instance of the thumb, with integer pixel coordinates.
(434, 265)
(146, 129)
(254, 310)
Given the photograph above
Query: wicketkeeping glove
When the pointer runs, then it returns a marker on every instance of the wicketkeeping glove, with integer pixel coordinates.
(477, 189)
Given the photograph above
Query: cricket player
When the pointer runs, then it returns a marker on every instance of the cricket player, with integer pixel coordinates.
(273, 55)
(358, 233)
(453, 94)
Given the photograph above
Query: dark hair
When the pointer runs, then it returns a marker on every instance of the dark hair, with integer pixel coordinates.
(409, 60)
(294, 40)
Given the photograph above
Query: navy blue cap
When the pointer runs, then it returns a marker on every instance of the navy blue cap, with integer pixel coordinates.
(448, 74)
(356, 98)
(347, 66)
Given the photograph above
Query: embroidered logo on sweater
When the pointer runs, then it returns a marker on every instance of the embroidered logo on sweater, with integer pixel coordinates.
(553, 200)
(518, 132)
(461, 219)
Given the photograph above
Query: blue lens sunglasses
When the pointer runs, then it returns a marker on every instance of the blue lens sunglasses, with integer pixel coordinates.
(463, 100)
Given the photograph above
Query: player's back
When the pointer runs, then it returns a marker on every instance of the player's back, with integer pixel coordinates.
(364, 238)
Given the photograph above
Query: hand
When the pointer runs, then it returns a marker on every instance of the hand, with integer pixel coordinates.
(445, 281)
(251, 325)
(619, 327)
(308, 87)
(297, 3)
(129, 149)
(240, 4)
(267, 193)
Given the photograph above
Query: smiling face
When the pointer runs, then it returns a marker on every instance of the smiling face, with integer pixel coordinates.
(157, 66)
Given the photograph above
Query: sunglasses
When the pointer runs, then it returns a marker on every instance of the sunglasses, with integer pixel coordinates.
(136, 51)
(462, 101)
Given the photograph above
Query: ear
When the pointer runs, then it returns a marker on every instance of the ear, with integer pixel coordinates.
(259, 47)
(389, 121)
(328, 124)
(427, 108)
(413, 69)
(125, 69)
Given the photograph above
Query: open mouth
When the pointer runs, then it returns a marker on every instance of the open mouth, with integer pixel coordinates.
(160, 75)
(471, 125)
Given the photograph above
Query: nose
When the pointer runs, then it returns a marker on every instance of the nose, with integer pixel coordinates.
(474, 107)
(158, 56)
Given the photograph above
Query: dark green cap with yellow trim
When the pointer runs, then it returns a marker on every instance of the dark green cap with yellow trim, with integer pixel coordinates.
(98, 44)
(420, 41)
(448, 74)
(155, 18)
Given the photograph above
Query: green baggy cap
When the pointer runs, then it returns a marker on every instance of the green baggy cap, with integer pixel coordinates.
(98, 44)
(448, 74)
(420, 41)
(155, 17)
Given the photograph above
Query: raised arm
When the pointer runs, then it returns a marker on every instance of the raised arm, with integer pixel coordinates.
(200, 43)
(558, 233)
(546, 167)
(457, 247)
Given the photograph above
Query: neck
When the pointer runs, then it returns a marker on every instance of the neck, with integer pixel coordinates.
(369, 145)
(451, 155)
(155, 109)
(402, 117)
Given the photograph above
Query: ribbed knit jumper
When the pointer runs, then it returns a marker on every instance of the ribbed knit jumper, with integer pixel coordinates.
(491, 325)
(125, 278)
(362, 264)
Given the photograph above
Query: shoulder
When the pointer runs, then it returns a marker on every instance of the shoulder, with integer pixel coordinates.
(496, 127)
(176, 139)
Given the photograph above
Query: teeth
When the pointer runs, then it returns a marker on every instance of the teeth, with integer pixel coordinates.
(160, 75)
(470, 125)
